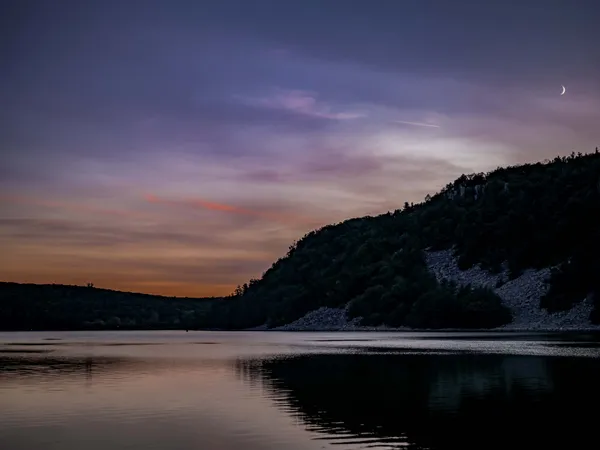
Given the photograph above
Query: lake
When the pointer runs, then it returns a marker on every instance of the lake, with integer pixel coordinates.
(196, 390)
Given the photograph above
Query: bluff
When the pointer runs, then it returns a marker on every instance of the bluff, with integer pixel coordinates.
(541, 218)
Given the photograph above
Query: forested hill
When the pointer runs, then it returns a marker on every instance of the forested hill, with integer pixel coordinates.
(531, 216)
(61, 307)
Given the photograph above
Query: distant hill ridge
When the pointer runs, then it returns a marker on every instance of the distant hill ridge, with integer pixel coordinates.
(65, 307)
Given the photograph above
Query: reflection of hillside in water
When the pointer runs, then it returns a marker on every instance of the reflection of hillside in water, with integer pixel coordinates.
(438, 402)
(39, 368)
(449, 387)
(36, 368)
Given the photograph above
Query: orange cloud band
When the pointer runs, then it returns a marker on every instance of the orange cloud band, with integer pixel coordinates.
(75, 207)
(213, 206)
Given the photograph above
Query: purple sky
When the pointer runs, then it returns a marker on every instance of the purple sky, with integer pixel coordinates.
(180, 147)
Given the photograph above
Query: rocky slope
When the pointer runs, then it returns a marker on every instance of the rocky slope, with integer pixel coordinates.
(330, 319)
(323, 319)
(522, 295)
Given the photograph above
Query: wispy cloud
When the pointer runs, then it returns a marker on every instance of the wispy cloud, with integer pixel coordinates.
(302, 102)
(417, 124)
(68, 233)
(69, 206)
(221, 207)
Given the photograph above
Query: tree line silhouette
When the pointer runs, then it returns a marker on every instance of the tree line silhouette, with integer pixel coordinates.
(63, 307)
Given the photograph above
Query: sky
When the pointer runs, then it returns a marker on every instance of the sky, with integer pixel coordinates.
(180, 147)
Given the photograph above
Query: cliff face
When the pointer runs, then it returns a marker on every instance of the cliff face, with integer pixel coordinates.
(517, 247)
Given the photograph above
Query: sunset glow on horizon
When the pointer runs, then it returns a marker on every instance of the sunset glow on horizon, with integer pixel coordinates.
(180, 148)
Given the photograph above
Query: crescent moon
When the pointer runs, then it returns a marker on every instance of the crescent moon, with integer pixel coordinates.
(564, 89)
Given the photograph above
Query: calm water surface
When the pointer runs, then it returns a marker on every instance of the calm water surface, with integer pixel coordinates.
(255, 390)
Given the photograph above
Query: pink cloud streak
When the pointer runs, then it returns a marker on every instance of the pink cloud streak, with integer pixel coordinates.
(221, 207)
(417, 124)
(306, 103)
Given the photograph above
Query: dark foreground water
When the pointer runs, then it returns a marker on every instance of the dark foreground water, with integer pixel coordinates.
(212, 390)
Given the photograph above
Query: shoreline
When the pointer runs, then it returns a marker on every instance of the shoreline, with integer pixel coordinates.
(425, 330)
(356, 329)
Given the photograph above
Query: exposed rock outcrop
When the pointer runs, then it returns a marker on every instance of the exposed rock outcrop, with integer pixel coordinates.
(522, 295)
(323, 319)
